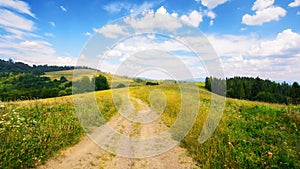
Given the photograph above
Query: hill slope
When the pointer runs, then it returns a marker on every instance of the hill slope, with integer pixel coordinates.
(250, 134)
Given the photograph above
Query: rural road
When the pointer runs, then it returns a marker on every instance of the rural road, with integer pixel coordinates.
(88, 155)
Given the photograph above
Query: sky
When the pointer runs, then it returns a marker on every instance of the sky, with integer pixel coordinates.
(198, 37)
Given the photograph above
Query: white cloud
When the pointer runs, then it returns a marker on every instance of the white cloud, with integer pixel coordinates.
(194, 18)
(12, 20)
(116, 7)
(114, 53)
(111, 31)
(160, 19)
(17, 34)
(267, 58)
(275, 69)
(162, 10)
(52, 23)
(141, 43)
(136, 9)
(65, 60)
(262, 4)
(49, 34)
(286, 44)
(88, 34)
(63, 8)
(264, 12)
(19, 6)
(226, 45)
(296, 3)
(212, 3)
(211, 22)
(36, 45)
(210, 14)
(19, 39)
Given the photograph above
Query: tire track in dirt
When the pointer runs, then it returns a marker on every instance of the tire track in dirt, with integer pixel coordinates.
(87, 154)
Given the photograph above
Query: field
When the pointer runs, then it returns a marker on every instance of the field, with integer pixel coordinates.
(112, 79)
(250, 134)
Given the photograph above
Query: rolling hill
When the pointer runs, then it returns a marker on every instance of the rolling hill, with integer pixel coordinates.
(249, 135)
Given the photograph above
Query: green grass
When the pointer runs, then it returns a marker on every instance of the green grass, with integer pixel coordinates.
(112, 79)
(33, 131)
(249, 135)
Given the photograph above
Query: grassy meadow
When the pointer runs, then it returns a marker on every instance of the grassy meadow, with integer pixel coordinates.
(33, 131)
(112, 79)
(249, 135)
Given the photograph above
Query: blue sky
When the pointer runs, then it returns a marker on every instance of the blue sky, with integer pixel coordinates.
(251, 37)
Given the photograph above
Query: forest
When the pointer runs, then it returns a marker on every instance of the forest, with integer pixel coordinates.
(256, 89)
(19, 81)
(10, 67)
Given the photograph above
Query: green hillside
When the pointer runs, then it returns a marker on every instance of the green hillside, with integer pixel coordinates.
(112, 79)
(250, 134)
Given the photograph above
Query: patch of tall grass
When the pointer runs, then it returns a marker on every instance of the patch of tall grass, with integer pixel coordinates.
(249, 135)
(33, 131)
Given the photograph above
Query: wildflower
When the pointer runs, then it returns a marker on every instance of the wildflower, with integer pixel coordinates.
(280, 162)
(2, 106)
(270, 154)
(253, 139)
(282, 128)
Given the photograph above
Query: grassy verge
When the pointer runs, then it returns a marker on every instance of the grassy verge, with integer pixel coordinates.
(33, 131)
(250, 134)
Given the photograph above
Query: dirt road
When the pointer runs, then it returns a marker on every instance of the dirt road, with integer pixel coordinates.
(87, 154)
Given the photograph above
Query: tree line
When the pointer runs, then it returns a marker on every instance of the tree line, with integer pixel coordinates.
(26, 86)
(10, 67)
(255, 89)
(19, 81)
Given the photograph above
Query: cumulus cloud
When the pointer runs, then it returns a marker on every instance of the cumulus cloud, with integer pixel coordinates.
(213, 3)
(265, 12)
(163, 20)
(194, 18)
(286, 44)
(267, 58)
(19, 6)
(210, 14)
(114, 53)
(160, 19)
(262, 4)
(274, 68)
(226, 45)
(111, 31)
(296, 3)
